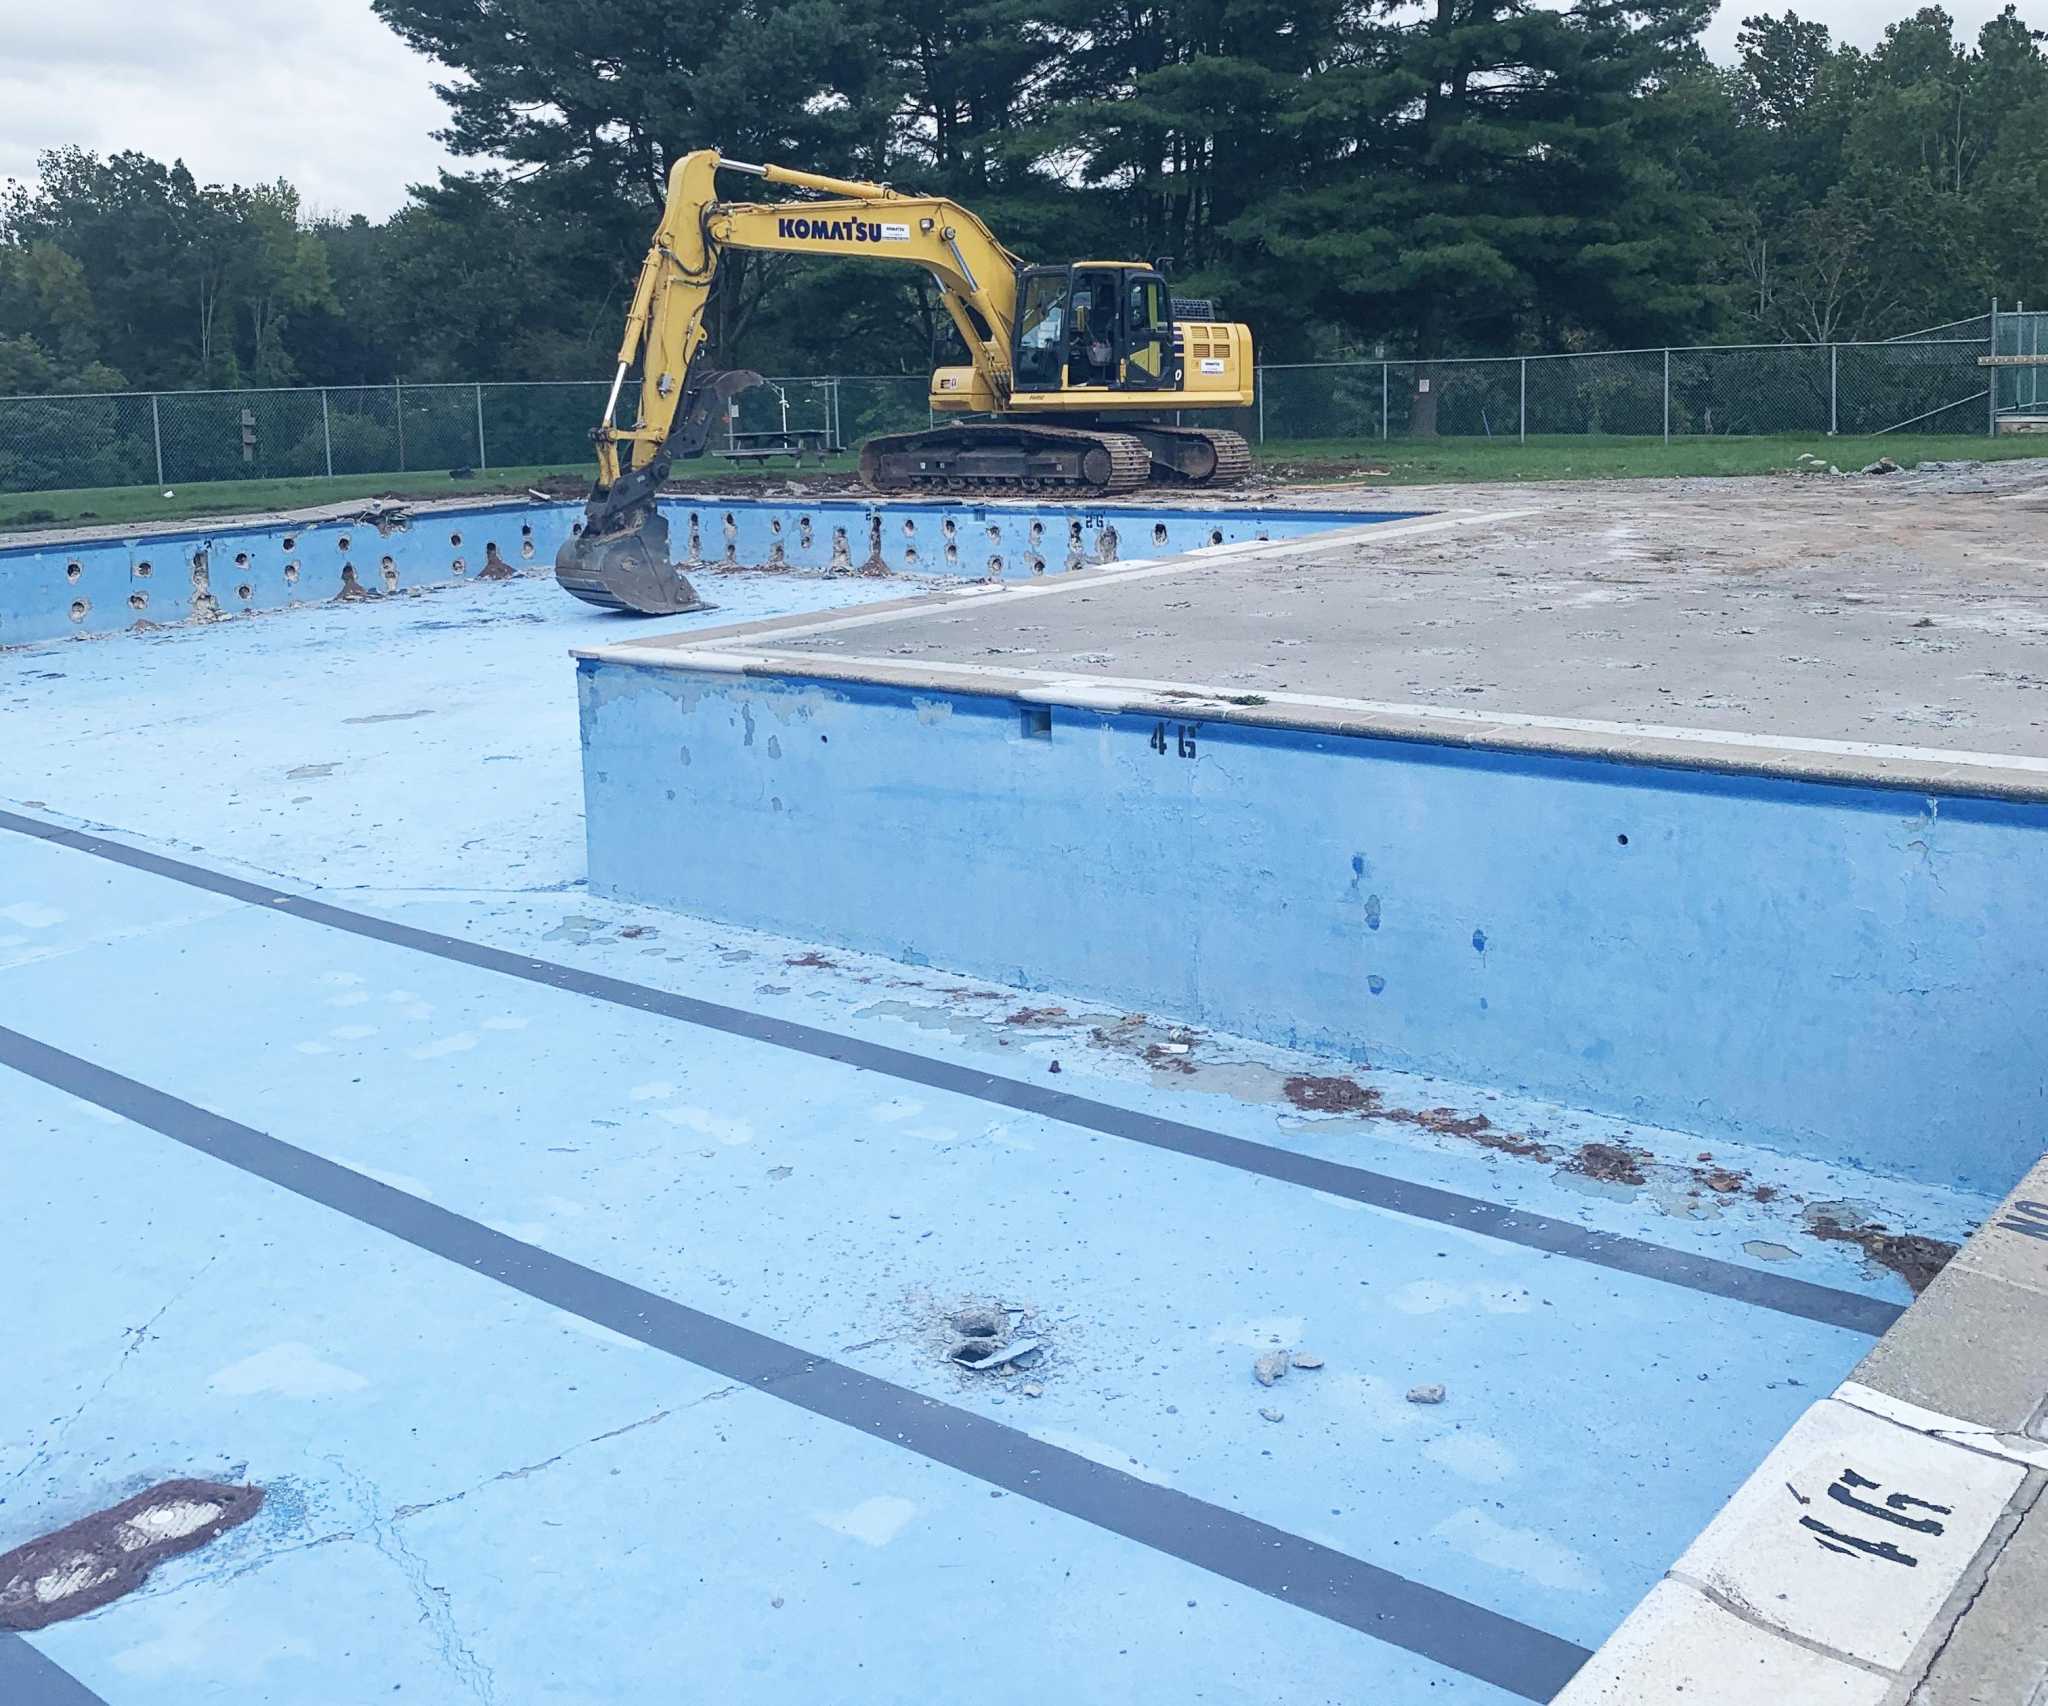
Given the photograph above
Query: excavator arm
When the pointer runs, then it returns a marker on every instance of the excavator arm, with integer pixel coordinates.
(620, 556)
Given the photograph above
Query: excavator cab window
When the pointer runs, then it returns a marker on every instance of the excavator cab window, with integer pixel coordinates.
(1095, 346)
(1148, 332)
(1042, 330)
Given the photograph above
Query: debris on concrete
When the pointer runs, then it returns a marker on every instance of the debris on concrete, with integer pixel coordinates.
(1270, 1367)
(1273, 1415)
(1329, 1095)
(495, 567)
(1305, 1359)
(984, 1354)
(99, 1558)
(1915, 1259)
(1612, 1163)
(1031, 1389)
(1430, 1394)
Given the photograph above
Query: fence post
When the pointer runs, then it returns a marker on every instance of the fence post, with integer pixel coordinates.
(483, 459)
(1834, 389)
(1991, 376)
(1522, 420)
(1667, 396)
(398, 400)
(1259, 391)
(1383, 400)
(156, 429)
(326, 432)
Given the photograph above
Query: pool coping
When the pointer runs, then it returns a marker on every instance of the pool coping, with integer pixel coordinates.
(1951, 1408)
(750, 649)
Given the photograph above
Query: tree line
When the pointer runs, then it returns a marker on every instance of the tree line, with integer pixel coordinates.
(1353, 177)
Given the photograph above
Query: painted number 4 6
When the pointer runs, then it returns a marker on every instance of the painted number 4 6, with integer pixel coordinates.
(1184, 736)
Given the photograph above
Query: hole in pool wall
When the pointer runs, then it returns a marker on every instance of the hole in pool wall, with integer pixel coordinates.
(290, 543)
(1034, 722)
(1073, 533)
(909, 527)
(455, 539)
(138, 601)
(1038, 565)
(457, 564)
(200, 579)
(142, 571)
(245, 592)
(73, 570)
(995, 564)
(291, 574)
(1105, 547)
(910, 556)
(803, 531)
(241, 559)
(1037, 531)
(78, 609)
(1215, 536)
(389, 570)
(341, 544)
(1622, 840)
(1159, 533)
(948, 528)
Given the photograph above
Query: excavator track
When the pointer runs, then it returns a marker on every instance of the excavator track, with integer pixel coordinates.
(1007, 456)
(1195, 456)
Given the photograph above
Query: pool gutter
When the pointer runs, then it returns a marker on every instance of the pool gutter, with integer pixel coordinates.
(1891, 1550)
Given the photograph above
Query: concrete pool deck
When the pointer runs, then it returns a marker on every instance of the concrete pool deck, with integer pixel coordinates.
(576, 1275)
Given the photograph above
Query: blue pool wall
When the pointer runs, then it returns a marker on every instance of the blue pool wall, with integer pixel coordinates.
(51, 590)
(1855, 974)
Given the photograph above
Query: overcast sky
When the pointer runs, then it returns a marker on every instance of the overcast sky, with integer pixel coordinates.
(320, 92)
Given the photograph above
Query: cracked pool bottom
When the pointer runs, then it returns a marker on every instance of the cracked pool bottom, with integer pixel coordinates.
(99, 1558)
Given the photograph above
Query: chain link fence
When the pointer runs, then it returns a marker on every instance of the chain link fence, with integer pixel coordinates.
(1927, 385)
(1928, 382)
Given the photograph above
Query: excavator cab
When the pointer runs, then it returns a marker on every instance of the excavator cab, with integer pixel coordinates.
(1094, 325)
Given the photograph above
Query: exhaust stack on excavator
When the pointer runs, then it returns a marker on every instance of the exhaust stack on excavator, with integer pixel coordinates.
(1082, 370)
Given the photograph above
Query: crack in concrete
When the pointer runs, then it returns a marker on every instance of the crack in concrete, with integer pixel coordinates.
(1757, 1620)
(137, 1337)
(1981, 1568)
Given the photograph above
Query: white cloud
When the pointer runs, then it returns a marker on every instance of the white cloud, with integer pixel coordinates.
(317, 91)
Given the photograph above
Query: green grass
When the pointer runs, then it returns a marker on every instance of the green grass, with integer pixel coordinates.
(1410, 462)
(1402, 462)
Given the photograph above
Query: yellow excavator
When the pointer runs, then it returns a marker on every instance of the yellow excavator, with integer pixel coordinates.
(1079, 373)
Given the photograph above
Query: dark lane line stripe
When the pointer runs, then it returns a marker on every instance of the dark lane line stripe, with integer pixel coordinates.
(1638, 1256)
(1439, 1626)
(29, 1678)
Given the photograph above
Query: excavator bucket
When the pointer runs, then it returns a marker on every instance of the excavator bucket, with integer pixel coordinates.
(629, 570)
(620, 559)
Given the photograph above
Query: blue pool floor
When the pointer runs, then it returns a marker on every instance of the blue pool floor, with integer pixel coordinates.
(477, 1493)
